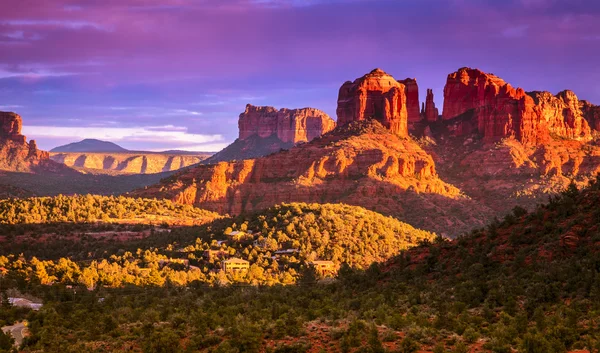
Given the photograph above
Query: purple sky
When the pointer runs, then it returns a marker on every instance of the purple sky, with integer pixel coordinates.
(152, 74)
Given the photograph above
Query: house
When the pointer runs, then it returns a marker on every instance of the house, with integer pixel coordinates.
(235, 264)
(239, 235)
(324, 267)
(213, 254)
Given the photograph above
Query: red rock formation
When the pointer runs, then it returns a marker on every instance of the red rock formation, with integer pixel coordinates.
(379, 96)
(429, 112)
(498, 110)
(16, 154)
(412, 100)
(290, 125)
(362, 164)
(10, 127)
(591, 113)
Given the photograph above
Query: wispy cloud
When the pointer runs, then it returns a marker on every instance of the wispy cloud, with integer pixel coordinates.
(69, 24)
(10, 106)
(32, 73)
(155, 111)
(168, 136)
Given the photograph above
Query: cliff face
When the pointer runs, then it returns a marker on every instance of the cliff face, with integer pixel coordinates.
(591, 113)
(16, 154)
(380, 97)
(131, 163)
(289, 125)
(266, 130)
(361, 163)
(486, 104)
(412, 100)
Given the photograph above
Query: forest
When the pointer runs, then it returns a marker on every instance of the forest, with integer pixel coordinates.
(95, 208)
(527, 283)
(279, 243)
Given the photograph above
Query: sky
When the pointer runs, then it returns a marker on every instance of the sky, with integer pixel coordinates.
(176, 74)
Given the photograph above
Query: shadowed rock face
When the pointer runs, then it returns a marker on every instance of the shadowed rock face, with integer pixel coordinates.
(496, 110)
(412, 100)
(15, 153)
(380, 97)
(290, 125)
(591, 113)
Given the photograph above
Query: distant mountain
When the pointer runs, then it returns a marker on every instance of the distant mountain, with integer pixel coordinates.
(90, 145)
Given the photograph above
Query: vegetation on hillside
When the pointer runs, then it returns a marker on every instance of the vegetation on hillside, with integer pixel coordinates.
(529, 283)
(94, 208)
(279, 243)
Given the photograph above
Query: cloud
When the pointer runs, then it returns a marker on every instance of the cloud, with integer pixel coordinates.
(33, 73)
(153, 111)
(69, 24)
(10, 106)
(169, 136)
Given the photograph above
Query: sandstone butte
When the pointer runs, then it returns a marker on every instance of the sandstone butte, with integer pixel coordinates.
(289, 125)
(265, 130)
(17, 154)
(379, 96)
(495, 147)
(486, 104)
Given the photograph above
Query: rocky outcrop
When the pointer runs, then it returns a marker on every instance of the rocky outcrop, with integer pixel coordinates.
(540, 143)
(130, 163)
(429, 112)
(591, 113)
(412, 100)
(266, 130)
(289, 125)
(361, 163)
(485, 104)
(16, 154)
(380, 97)
(10, 127)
